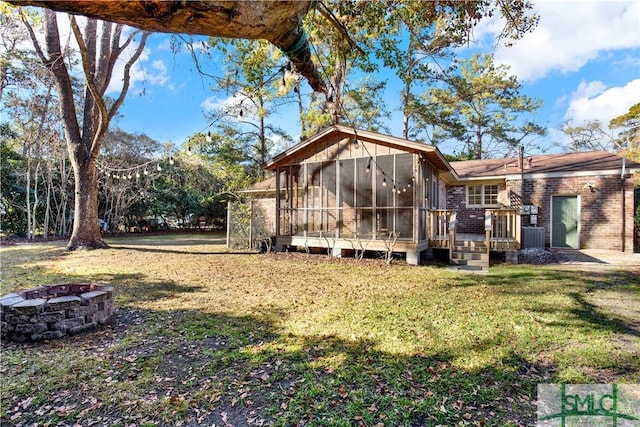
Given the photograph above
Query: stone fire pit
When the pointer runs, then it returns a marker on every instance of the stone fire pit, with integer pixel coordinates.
(54, 311)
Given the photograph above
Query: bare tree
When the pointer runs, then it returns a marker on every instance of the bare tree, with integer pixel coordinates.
(85, 130)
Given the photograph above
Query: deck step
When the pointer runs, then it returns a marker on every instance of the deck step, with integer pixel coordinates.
(470, 249)
(470, 244)
(470, 254)
(479, 256)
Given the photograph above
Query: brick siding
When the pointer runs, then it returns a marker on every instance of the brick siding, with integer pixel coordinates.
(600, 208)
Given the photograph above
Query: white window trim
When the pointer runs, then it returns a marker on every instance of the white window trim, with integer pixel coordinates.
(482, 194)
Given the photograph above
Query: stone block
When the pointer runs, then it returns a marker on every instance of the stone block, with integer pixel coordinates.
(7, 301)
(51, 316)
(30, 328)
(68, 324)
(29, 306)
(94, 297)
(6, 327)
(64, 303)
(78, 312)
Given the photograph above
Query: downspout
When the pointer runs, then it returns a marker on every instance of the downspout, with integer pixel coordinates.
(623, 198)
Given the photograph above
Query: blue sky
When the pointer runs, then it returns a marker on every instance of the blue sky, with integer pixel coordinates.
(583, 61)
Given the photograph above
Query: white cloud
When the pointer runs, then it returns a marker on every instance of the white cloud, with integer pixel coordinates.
(593, 101)
(230, 105)
(569, 34)
(154, 73)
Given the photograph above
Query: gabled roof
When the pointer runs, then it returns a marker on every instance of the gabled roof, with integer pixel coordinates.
(554, 164)
(429, 151)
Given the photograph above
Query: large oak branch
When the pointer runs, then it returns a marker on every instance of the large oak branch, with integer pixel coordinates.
(279, 22)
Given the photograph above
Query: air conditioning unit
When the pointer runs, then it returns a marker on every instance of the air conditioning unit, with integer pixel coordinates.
(532, 237)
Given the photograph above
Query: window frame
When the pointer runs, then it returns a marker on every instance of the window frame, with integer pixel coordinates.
(483, 196)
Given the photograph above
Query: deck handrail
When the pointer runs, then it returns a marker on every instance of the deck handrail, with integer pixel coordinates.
(441, 225)
(503, 227)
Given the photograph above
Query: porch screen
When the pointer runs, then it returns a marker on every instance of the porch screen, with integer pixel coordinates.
(321, 199)
(365, 170)
(347, 211)
(394, 200)
(364, 197)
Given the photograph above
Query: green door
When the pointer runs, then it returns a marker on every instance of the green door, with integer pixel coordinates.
(564, 222)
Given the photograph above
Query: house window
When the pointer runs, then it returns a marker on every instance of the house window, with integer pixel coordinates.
(482, 195)
(490, 196)
(474, 195)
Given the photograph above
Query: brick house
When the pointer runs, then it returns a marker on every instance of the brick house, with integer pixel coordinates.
(345, 190)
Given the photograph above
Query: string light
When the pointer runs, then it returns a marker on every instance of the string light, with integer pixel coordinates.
(208, 138)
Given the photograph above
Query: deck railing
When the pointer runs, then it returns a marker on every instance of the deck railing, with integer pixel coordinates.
(503, 228)
(441, 227)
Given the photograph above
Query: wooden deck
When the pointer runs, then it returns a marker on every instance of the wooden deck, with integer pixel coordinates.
(502, 233)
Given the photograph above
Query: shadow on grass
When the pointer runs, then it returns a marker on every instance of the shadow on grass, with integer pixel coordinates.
(222, 251)
(129, 288)
(598, 318)
(576, 285)
(198, 368)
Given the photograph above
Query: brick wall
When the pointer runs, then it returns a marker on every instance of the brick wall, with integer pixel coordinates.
(469, 220)
(600, 207)
(600, 204)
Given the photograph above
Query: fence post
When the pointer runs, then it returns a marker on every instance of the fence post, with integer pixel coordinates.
(229, 224)
(251, 224)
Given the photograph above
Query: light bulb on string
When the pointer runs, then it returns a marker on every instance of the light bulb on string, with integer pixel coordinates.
(171, 160)
(129, 176)
(384, 181)
(368, 166)
(159, 168)
(146, 172)
(207, 138)
(137, 174)
(240, 112)
(189, 152)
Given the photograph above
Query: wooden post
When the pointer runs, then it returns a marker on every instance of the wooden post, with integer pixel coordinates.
(229, 224)
(488, 228)
(251, 224)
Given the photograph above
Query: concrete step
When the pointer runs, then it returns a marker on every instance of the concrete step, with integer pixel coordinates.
(470, 263)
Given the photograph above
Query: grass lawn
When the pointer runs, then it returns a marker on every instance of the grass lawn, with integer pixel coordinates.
(203, 336)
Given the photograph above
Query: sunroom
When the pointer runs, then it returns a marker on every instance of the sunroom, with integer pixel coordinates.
(346, 190)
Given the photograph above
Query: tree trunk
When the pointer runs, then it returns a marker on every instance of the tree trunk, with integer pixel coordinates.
(84, 142)
(86, 230)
